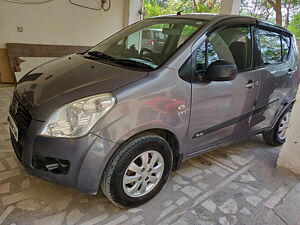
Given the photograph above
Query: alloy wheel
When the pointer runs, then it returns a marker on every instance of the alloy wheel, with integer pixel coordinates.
(283, 126)
(143, 173)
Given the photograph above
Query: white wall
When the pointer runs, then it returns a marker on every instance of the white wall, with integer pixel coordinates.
(58, 22)
(29, 64)
(131, 11)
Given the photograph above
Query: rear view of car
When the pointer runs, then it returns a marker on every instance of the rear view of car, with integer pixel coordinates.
(153, 39)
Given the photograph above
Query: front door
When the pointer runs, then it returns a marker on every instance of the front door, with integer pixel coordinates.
(221, 110)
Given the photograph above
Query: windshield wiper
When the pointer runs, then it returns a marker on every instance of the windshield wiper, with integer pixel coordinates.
(100, 55)
(133, 63)
(126, 62)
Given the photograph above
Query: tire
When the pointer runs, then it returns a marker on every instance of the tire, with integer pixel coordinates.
(274, 137)
(117, 171)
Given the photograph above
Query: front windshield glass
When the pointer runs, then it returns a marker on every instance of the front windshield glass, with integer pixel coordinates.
(148, 43)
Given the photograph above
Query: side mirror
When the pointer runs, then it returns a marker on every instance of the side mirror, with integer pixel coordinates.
(221, 71)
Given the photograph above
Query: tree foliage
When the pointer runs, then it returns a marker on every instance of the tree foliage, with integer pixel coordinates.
(256, 8)
(279, 11)
(163, 7)
(294, 26)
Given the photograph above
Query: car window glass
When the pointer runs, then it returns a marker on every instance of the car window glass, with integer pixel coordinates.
(158, 35)
(269, 44)
(200, 58)
(185, 70)
(186, 33)
(150, 42)
(146, 34)
(286, 42)
(230, 44)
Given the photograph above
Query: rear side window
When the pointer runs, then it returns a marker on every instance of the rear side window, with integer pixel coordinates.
(286, 45)
(146, 34)
(269, 44)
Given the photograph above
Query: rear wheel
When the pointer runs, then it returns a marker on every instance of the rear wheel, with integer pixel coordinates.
(138, 171)
(276, 136)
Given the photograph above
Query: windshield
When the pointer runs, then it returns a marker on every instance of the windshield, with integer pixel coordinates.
(148, 43)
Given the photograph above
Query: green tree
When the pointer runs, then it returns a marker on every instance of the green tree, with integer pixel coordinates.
(256, 8)
(294, 26)
(278, 10)
(163, 7)
(281, 6)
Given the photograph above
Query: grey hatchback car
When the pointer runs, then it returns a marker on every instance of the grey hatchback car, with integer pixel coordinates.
(122, 117)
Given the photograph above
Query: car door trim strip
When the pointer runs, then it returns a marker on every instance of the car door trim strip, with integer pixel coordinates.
(232, 121)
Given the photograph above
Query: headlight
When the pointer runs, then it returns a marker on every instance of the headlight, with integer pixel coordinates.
(77, 118)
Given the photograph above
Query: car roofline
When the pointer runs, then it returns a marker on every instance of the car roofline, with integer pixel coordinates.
(217, 17)
(273, 25)
(203, 16)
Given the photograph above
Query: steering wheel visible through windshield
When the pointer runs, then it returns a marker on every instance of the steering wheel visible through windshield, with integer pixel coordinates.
(146, 44)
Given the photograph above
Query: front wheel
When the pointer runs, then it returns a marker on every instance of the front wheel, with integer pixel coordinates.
(276, 136)
(138, 171)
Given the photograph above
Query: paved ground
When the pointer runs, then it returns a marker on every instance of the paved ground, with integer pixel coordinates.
(239, 184)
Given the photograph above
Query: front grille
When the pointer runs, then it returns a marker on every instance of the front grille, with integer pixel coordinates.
(20, 114)
(17, 147)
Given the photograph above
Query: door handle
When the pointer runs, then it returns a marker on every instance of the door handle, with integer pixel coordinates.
(251, 84)
(290, 72)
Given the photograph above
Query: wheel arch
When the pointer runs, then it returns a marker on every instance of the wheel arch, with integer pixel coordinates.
(286, 105)
(173, 141)
(166, 134)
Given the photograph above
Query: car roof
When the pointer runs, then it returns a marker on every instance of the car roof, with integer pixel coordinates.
(218, 17)
(202, 16)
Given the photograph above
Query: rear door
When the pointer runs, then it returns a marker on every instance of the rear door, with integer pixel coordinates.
(221, 111)
(277, 71)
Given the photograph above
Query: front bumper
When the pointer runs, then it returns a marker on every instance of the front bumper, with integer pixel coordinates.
(87, 156)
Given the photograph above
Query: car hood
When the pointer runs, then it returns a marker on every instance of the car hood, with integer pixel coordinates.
(65, 79)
